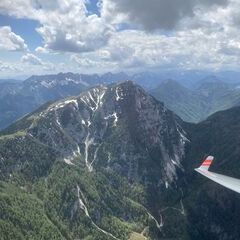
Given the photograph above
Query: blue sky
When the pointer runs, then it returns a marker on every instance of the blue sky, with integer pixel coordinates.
(88, 36)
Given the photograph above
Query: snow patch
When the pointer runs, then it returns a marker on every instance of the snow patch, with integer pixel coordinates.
(58, 122)
(88, 142)
(118, 93)
(115, 116)
(81, 203)
(174, 162)
(68, 161)
(47, 84)
(77, 81)
(94, 157)
(75, 154)
(184, 139)
(74, 101)
(93, 99)
(89, 123)
(63, 104)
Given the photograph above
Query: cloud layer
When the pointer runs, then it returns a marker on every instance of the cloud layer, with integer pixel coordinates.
(132, 35)
(154, 14)
(65, 25)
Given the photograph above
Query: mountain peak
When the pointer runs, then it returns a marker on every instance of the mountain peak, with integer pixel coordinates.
(120, 119)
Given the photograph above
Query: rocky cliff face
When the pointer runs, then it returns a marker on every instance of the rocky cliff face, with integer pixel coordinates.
(120, 122)
(118, 131)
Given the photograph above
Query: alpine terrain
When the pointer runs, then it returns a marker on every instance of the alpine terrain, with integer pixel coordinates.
(115, 163)
(18, 98)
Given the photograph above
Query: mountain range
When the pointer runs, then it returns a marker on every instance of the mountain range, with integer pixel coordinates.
(194, 104)
(18, 98)
(210, 95)
(115, 163)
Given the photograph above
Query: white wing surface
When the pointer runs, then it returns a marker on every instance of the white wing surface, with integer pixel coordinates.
(228, 182)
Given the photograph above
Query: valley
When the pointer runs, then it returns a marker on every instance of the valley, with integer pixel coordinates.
(197, 103)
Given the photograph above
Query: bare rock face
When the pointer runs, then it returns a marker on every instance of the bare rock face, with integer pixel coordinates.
(120, 128)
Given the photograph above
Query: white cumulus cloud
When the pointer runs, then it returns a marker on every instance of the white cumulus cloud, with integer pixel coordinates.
(11, 41)
(41, 50)
(31, 59)
(133, 34)
(66, 26)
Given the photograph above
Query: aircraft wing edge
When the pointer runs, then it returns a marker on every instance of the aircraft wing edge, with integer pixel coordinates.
(226, 181)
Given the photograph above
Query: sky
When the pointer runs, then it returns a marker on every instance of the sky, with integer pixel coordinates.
(97, 36)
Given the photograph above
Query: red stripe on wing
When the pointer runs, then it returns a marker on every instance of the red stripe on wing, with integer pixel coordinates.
(207, 163)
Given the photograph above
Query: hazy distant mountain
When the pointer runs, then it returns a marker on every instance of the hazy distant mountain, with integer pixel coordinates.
(17, 99)
(189, 105)
(9, 81)
(109, 77)
(20, 98)
(148, 80)
(113, 162)
(194, 105)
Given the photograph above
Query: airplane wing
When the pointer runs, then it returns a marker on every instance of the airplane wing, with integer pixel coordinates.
(228, 182)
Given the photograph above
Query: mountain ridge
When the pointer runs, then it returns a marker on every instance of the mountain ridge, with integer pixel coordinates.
(20, 98)
(195, 105)
(118, 131)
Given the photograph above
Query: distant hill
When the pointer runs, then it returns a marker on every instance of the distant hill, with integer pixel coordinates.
(20, 98)
(194, 105)
(205, 96)
(9, 81)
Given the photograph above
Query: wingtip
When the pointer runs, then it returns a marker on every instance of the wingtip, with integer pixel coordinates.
(206, 163)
